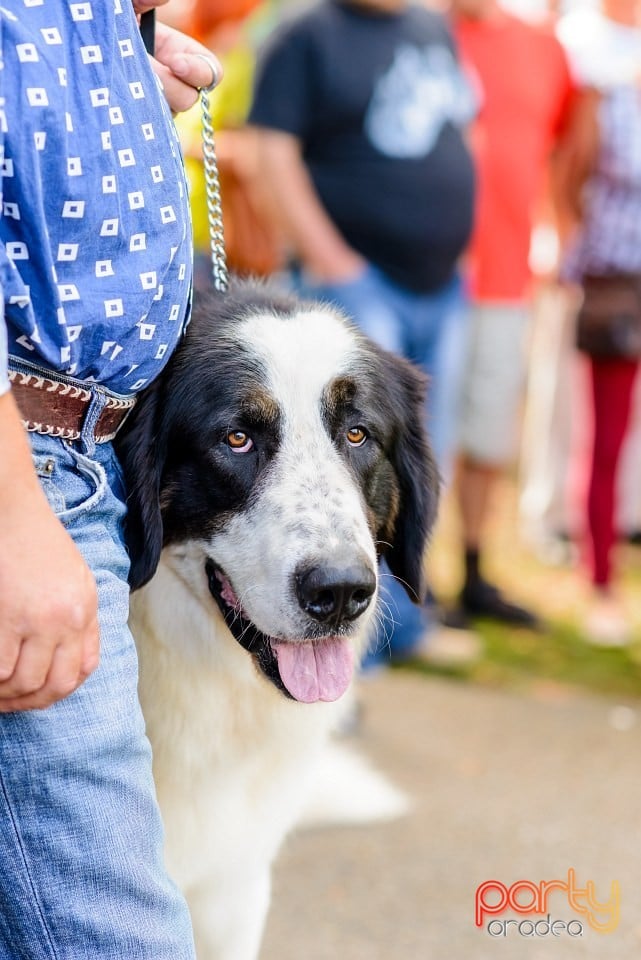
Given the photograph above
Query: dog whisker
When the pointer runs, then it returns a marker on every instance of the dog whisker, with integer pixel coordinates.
(408, 589)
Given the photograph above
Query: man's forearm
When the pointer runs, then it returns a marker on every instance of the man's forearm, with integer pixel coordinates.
(49, 638)
(301, 215)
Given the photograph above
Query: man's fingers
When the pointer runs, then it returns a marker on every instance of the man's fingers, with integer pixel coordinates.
(30, 671)
(179, 94)
(32, 701)
(43, 675)
(141, 7)
(196, 69)
(184, 66)
(91, 651)
(65, 674)
(9, 651)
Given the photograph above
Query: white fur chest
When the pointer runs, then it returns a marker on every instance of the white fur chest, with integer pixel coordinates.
(232, 755)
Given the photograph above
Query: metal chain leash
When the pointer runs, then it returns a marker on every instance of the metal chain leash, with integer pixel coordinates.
(212, 189)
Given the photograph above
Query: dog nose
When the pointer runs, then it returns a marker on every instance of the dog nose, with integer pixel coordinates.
(332, 595)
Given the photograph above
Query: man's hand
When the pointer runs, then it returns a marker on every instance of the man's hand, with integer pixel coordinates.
(178, 62)
(49, 638)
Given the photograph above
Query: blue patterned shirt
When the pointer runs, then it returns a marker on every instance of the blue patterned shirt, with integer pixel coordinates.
(95, 236)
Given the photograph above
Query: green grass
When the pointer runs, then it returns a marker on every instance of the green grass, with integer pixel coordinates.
(559, 658)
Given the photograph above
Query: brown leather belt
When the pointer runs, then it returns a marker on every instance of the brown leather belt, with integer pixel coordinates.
(58, 409)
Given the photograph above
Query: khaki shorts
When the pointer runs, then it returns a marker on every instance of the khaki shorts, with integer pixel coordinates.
(493, 382)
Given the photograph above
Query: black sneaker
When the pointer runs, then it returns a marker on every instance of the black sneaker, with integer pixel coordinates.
(481, 599)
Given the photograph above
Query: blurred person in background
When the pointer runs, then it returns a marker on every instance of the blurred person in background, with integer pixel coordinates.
(361, 110)
(525, 92)
(552, 437)
(602, 190)
(557, 435)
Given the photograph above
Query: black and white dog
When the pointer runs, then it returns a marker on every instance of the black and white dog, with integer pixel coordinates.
(276, 460)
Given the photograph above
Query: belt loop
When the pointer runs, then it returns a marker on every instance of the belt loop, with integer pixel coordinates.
(97, 404)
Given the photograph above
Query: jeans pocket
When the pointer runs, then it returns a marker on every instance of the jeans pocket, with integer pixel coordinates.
(46, 471)
(72, 483)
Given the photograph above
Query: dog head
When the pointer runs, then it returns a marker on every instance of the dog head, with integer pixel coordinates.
(277, 458)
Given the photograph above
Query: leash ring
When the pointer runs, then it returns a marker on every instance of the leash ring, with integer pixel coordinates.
(216, 73)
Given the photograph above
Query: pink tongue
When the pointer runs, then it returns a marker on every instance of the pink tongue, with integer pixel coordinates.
(315, 671)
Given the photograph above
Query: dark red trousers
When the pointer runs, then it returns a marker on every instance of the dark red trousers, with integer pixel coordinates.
(612, 387)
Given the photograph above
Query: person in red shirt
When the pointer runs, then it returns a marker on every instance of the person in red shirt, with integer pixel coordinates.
(525, 93)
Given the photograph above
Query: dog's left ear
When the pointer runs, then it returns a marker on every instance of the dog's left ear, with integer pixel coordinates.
(418, 479)
(142, 458)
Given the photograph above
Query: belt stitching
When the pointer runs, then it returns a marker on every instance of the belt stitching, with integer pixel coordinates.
(50, 385)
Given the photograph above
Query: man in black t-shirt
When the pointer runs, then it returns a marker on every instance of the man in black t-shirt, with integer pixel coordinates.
(369, 98)
(360, 109)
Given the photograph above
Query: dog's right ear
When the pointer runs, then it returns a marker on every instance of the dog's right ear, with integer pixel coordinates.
(142, 458)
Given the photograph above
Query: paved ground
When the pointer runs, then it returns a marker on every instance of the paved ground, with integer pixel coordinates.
(505, 787)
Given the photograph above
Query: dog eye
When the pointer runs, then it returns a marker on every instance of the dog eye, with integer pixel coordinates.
(239, 441)
(356, 436)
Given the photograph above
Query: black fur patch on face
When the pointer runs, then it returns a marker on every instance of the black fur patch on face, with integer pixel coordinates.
(362, 439)
(384, 400)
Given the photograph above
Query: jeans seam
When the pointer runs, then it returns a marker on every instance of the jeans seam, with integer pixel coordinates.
(95, 475)
(25, 863)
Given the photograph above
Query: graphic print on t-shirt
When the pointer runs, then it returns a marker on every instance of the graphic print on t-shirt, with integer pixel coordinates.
(422, 90)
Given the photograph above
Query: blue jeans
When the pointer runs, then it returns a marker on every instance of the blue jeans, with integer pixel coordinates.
(81, 861)
(430, 329)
